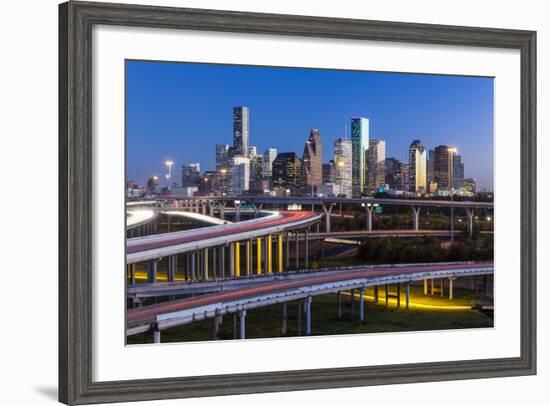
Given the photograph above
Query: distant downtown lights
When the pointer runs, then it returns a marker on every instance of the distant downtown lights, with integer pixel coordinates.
(359, 166)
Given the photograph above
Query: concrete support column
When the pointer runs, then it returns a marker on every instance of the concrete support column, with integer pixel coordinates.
(306, 254)
(425, 286)
(168, 221)
(470, 214)
(327, 217)
(280, 253)
(432, 287)
(232, 259)
(237, 212)
(258, 256)
(214, 263)
(205, 263)
(352, 303)
(249, 263)
(407, 296)
(203, 206)
(242, 323)
(299, 317)
(268, 255)
(442, 287)
(369, 213)
(132, 274)
(287, 238)
(361, 304)
(171, 268)
(308, 316)
(297, 254)
(156, 335)
(387, 293)
(193, 266)
(222, 262)
(284, 319)
(237, 259)
(222, 210)
(152, 271)
(416, 217)
(398, 295)
(376, 297)
(451, 279)
(216, 327)
(339, 300)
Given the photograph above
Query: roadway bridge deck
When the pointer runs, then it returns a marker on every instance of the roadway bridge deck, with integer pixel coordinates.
(272, 289)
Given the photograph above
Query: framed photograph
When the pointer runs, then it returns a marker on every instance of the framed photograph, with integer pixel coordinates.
(259, 202)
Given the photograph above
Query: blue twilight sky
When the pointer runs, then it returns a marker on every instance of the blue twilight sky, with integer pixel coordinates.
(180, 111)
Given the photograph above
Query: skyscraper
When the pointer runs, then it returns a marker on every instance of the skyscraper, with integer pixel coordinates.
(441, 167)
(376, 157)
(190, 175)
(313, 160)
(240, 175)
(329, 172)
(268, 157)
(458, 172)
(360, 145)
(286, 171)
(241, 117)
(343, 166)
(394, 174)
(417, 167)
(222, 167)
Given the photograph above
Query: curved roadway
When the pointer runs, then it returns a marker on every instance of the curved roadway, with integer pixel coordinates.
(183, 311)
(157, 246)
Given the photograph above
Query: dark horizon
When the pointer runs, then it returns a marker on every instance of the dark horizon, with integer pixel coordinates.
(180, 111)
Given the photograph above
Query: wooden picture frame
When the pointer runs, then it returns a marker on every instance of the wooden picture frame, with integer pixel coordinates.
(76, 20)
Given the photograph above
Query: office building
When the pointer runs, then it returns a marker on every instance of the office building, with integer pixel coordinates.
(190, 175)
(286, 171)
(393, 175)
(376, 157)
(417, 167)
(239, 175)
(267, 161)
(312, 164)
(241, 121)
(360, 146)
(343, 166)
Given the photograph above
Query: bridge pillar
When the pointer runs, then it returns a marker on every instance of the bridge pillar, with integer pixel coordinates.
(369, 213)
(203, 207)
(451, 279)
(299, 317)
(287, 238)
(308, 316)
(237, 259)
(376, 296)
(156, 335)
(214, 264)
(416, 217)
(432, 287)
(152, 271)
(284, 319)
(168, 221)
(297, 254)
(237, 212)
(398, 295)
(259, 256)
(327, 216)
(222, 210)
(425, 286)
(442, 287)
(211, 208)
(361, 304)
(242, 323)
(171, 268)
(387, 291)
(280, 253)
(205, 263)
(352, 302)
(249, 264)
(407, 295)
(193, 266)
(339, 300)
(470, 214)
(132, 274)
(216, 327)
(232, 259)
(269, 249)
(306, 254)
(222, 262)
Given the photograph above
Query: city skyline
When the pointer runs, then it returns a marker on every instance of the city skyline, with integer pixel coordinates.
(186, 136)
